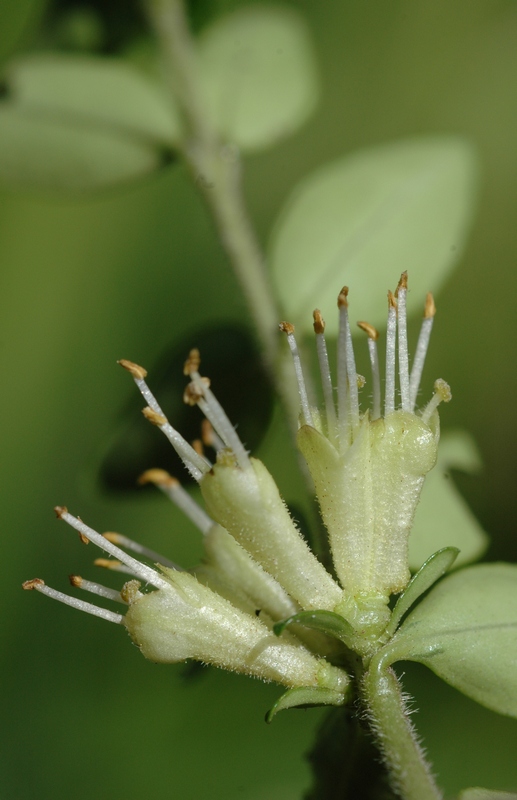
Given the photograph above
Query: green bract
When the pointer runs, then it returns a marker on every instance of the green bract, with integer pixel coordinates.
(465, 630)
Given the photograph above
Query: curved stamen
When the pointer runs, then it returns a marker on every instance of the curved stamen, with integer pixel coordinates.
(40, 586)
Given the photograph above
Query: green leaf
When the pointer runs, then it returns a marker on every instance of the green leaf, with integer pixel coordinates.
(258, 74)
(304, 696)
(79, 122)
(486, 794)
(443, 518)
(433, 569)
(325, 621)
(465, 631)
(364, 219)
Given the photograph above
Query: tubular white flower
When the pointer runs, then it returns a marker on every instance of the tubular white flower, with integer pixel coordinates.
(369, 476)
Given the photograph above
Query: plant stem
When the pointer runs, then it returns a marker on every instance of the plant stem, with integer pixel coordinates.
(395, 735)
(215, 167)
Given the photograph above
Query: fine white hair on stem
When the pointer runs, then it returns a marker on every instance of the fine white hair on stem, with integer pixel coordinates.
(195, 464)
(401, 295)
(141, 570)
(391, 336)
(74, 602)
(95, 588)
(288, 329)
(129, 544)
(208, 403)
(173, 489)
(421, 349)
(326, 378)
(373, 335)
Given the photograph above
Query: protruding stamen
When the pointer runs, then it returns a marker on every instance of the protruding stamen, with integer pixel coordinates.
(421, 349)
(342, 378)
(179, 496)
(192, 363)
(196, 466)
(199, 391)
(141, 570)
(129, 544)
(401, 295)
(209, 437)
(95, 588)
(103, 613)
(326, 378)
(373, 335)
(114, 565)
(391, 339)
(442, 394)
(288, 329)
(346, 350)
(197, 444)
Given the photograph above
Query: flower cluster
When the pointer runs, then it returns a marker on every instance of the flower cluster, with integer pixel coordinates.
(368, 469)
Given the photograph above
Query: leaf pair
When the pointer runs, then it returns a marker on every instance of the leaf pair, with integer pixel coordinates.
(83, 122)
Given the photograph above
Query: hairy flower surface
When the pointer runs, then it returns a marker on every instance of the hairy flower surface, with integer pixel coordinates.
(368, 470)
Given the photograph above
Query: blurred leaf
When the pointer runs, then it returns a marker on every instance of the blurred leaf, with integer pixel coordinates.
(259, 75)
(304, 696)
(433, 569)
(364, 219)
(443, 518)
(465, 631)
(15, 18)
(486, 794)
(78, 122)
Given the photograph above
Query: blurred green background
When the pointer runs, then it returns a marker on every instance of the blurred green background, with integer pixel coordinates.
(130, 272)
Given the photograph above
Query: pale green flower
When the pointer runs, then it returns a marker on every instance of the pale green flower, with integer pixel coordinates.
(367, 470)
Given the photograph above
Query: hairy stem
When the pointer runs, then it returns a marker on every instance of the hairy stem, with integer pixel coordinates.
(215, 167)
(395, 735)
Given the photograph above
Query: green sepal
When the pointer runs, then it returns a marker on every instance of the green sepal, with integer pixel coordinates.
(304, 696)
(485, 794)
(325, 621)
(433, 569)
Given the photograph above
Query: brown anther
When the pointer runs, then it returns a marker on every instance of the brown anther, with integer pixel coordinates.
(152, 416)
(192, 363)
(75, 580)
(112, 537)
(33, 584)
(135, 370)
(157, 476)
(430, 308)
(197, 445)
(392, 303)
(129, 591)
(402, 284)
(60, 510)
(194, 392)
(286, 327)
(108, 563)
(370, 331)
(207, 433)
(82, 538)
(342, 298)
(319, 322)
